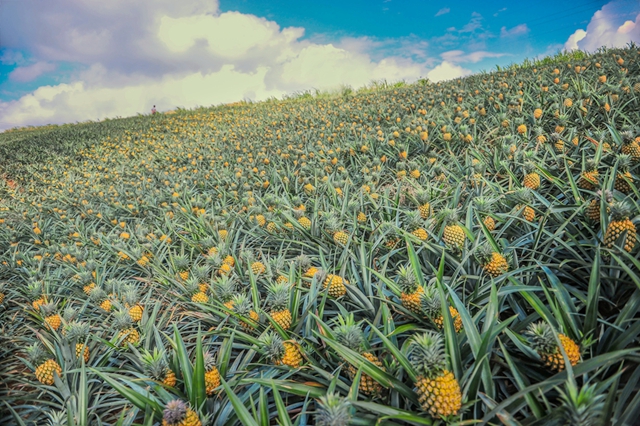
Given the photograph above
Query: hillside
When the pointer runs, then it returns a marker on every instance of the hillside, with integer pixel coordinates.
(461, 250)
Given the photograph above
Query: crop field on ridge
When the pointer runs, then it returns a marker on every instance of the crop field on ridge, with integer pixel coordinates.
(450, 253)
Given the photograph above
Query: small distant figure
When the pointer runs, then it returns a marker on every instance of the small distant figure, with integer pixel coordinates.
(153, 110)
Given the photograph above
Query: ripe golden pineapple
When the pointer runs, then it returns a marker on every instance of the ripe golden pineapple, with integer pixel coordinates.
(493, 263)
(531, 178)
(156, 367)
(335, 283)
(200, 297)
(178, 413)
(437, 388)
(131, 302)
(630, 146)
(304, 221)
(485, 207)
(350, 335)
(424, 207)
(589, 179)
(624, 179)
(453, 235)
(257, 268)
(333, 227)
(281, 353)
(181, 265)
(524, 199)
(211, 375)
(414, 223)
(411, 291)
(77, 331)
(593, 209)
(51, 318)
(278, 302)
(544, 343)
(46, 365)
(619, 225)
(431, 307)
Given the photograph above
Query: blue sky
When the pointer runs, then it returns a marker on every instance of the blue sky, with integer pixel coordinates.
(73, 60)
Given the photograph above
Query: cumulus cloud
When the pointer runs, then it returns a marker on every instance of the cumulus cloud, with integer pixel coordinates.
(447, 71)
(31, 72)
(443, 11)
(172, 54)
(515, 31)
(615, 25)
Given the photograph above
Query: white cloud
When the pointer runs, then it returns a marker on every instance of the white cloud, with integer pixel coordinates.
(609, 26)
(31, 72)
(443, 11)
(181, 54)
(515, 31)
(447, 71)
(458, 56)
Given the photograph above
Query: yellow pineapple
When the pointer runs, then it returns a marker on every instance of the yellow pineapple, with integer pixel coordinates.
(485, 207)
(51, 317)
(431, 307)
(424, 206)
(589, 178)
(619, 226)
(278, 302)
(544, 343)
(281, 353)
(453, 235)
(624, 179)
(411, 291)
(524, 198)
(155, 366)
(531, 178)
(126, 332)
(211, 375)
(493, 263)
(77, 332)
(437, 388)
(414, 223)
(335, 283)
(46, 366)
(243, 307)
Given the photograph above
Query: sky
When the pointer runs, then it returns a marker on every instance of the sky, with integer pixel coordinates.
(76, 60)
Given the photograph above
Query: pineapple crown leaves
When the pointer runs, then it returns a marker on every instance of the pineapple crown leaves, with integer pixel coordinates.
(69, 313)
(303, 261)
(36, 354)
(414, 219)
(484, 204)
(449, 216)
(430, 303)
(522, 196)
(278, 296)
(590, 165)
(180, 262)
(582, 406)
(175, 412)
(57, 418)
(542, 337)
(333, 410)
(529, 167)
(332, 222)
(423, 196)
(209, 358)
(201, 272)
(242, 305)
(273, 346)
(624, 161)
(484, 253)
(77, 330)
(97, 294)
(620, 211)
(407, 279)
(154, 363)
(131, 296)
(192, 285)
(426, 354)
(48, 308)
(348, 333)
(122, 319)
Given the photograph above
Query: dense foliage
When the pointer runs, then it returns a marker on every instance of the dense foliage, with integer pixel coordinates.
(418, 254)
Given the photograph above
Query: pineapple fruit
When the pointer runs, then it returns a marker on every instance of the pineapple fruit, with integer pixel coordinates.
(493, 263)
(411, 291)
(437, 388)
(278, 302)
(178, 413)
(156, 367)
(431, 307)
(127, 333)
(618, 226)
(453, 235)
(243, 307)
(45, 366)
(335, 283)
(281, 353)
(544, 343)
(211, 374)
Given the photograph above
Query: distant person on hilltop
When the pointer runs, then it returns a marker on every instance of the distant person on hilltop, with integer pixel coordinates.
(153, 110)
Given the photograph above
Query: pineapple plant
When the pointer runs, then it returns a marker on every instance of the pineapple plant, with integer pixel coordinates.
(624, 179)
(485, 207)
(415, 225)
(78, 332)
(211, 375)
(192, 287)
(592, 210)
(524, 198)
(431, 307)
(437, 388)
(279, 352)
(302, 219)
(453, 235)
(278, 302)
(178, 413)
(543, 340)
(334, 228)
(224, 289)
(181, 265)
(620, 226)
(127, 334)
(630, 146)
(493, 263)
(423, 201)
(243, 307)
(333, 410)
(45, 366)
(132, 303)
(411, 291)
(156, 367)
(350, 335)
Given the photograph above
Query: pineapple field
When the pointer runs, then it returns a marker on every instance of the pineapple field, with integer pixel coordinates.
(419, 254)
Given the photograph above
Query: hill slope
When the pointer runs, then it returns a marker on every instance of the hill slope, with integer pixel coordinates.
(423, 251)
